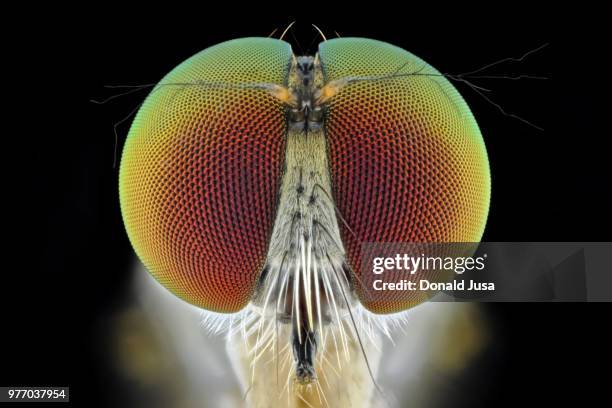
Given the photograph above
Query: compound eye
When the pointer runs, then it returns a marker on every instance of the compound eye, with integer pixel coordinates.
(200, 173)
(406, 156)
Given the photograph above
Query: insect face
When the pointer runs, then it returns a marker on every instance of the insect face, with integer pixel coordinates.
(251, 179)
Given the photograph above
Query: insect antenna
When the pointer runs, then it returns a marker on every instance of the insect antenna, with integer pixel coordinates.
(320, 32)
(116, 126)
(273, 89)
(131, 89)
(501, 61)
(463, 78)
(499, 107)
(286, 29)
(135, 88)
(272, 33)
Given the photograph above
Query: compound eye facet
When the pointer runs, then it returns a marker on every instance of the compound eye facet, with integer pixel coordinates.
(201, 169)
(407, 159)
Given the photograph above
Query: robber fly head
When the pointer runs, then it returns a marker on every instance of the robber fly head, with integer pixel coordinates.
(251, 179)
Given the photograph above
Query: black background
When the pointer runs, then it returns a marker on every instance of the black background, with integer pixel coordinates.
(68, 254)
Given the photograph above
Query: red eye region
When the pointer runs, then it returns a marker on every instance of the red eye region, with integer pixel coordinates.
(201, 169)
(407, 159)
